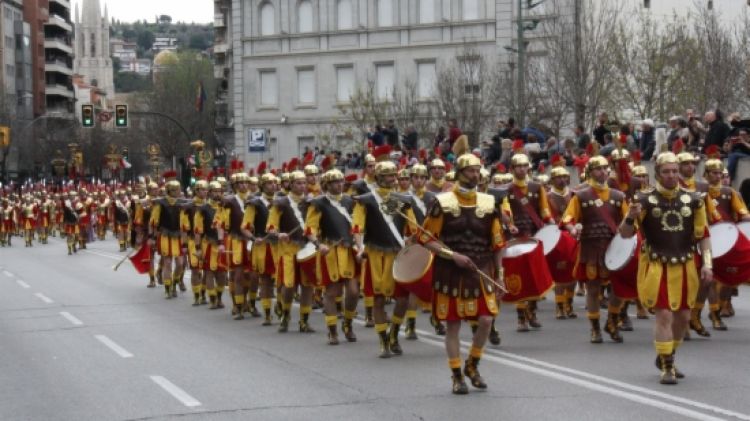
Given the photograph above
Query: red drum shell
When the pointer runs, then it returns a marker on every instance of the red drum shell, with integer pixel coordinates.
(526, 274)
(562, 258)
(733, 268)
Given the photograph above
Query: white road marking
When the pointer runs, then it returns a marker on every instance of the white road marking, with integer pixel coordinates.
(109, 343)
(44, 298)
(71, 318)
(108, 256)
(23, 284)
(8, 274)
(175, 391)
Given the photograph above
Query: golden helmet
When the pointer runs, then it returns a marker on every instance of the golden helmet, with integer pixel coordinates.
(419, 169)
(239, 177)
(215, 185)
(385, 168)
(498, 179)
(297, 175)
(172, 185)
(152, 185)
(686, 157)
(713, 165)
(285, 176)
(268, 178)
(484, 176)
(311, 169)
(559, 172)
(333, 175)
(597, 162)
(640, 171)
(666, 158)
(542, 178)
(619, 154)
(369, 158)
(253, 180)
(437, 163)
(519, 159)
(201, 184)
(467, 160)
(404, 173)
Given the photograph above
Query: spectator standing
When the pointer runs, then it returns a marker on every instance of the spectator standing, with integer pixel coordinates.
(390, 132)
(648, 141)
(453, 131)
(439, 138)
(718, 130)
(411, 139)
(601, 128)
(738, 147)
(375, 135)
(582, 138)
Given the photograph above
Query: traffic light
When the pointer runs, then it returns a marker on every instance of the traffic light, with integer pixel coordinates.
(121, 115)
(87, 115)
(4, 136)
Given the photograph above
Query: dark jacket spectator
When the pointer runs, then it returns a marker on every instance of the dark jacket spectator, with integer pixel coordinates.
(718, 131)
(601, 128)
(582, 138)
(391, 134)
(376, 136)
(411, 139)
(439, 138)
(648, 141)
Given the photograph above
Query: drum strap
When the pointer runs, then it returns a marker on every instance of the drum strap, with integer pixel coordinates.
(388, 219)
(604, 213)
(528, 208)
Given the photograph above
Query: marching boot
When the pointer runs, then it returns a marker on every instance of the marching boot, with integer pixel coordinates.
(560, 313)
(696, 324)
(569, 312)
(611, 328)
(219, 304)
(196, 299)
(253, 310)
(471, 371)
(393, 344)
(727, 310)
(369, 320)
(174, 289)
(531, 314)
(212, 299)
(385, 350)
(668, 374)
(267, 319)
(411, 329)
(159, 279)
(346, 327)
(677, 373)
(459, 385)
(203, 296)
(438, 326)
(167, 292)
(182, 283)
(333, 335)
(278, 310)
(494, 334)
(716, 321)
(522, 326)
(70, 252)
(596, 332)
(283, 325)
(304, 324)
(237, 311)
(626, 325)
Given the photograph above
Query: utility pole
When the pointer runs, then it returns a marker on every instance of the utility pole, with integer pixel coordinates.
(580, 110)
(521, 52)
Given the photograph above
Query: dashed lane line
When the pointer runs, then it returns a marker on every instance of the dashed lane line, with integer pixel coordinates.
(175, 391)
(71, 318)
(44, 298)
(109, 343)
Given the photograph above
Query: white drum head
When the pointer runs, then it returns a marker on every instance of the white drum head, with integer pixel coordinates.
(549, 235)
(619, 252)
(744, 228)
(723, 238)
(517, 248)
(306, 252)
(411, 263)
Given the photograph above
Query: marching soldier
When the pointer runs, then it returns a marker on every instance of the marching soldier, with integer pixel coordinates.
(6, 222)
(165, 234)
(29, 219)
(672, 221)
(286, 220)
(599, 209)
(460, 292)
(562, 271)
(329, 225)
(187, 225)
(262, 255)
(364, 184)
(70, 221)
(213, 263)
(102, 214)
(46, 215)
(141, 218)
(437, 182)
(121, 216)
(381, 236)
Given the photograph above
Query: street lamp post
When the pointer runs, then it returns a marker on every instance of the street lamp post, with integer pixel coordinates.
(521, 52)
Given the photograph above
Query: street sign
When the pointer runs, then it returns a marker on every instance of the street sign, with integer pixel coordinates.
(257, 140)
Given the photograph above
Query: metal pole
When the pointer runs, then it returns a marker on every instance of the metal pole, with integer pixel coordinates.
(521, 83)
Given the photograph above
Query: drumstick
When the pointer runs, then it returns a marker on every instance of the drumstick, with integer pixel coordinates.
(499, 285)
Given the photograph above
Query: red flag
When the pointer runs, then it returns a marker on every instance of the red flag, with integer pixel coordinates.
(141, 260)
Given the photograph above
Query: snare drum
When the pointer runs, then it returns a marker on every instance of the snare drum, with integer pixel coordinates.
(559, 251)
(731, 252)
(526, 273)
(412, 271)
(621, 261)
(306, 261)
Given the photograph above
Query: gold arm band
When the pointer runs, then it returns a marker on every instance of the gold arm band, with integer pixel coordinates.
(708, 261)
(445, 253)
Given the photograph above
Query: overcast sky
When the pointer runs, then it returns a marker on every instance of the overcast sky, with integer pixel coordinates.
(202, 11)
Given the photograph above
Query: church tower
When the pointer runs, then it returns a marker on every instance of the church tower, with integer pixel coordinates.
(92, 56)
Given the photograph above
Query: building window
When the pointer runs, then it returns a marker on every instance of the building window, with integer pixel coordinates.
(385, 12)
(426, 11)
(385, 78)
(426, 79)
(470, 9)
(267, 18)
(269, 90)
(471, 73)
(344, 83)
(306, 86)
(9, 44)
(305, 16)
(344, 14)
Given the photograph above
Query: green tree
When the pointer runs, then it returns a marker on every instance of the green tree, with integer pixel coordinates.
(145, 39)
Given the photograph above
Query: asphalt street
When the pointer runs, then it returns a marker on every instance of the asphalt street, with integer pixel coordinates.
(81, 342)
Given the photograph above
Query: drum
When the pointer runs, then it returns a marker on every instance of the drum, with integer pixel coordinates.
(412, 270)
(723, 238)
(249, 246)
(744, 228)
(731, 252)
(306, 261)
(526, 273)
(621, 260)
(559, 251)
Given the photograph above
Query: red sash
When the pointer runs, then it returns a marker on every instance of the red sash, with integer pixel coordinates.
(604, 214)
(527, 207)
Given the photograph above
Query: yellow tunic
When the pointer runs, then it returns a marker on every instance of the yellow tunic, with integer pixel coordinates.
(379, 262)
(650, 272)
(168, 244)
(260, 250)
(208, 246)
(737, 204)
(286, 251)
(185, 225)
(340, 262)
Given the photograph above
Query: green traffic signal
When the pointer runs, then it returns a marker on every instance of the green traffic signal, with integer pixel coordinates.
(87, 115)
(121, 115)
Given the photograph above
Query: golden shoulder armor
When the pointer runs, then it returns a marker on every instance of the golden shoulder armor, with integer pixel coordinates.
(449, 203)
